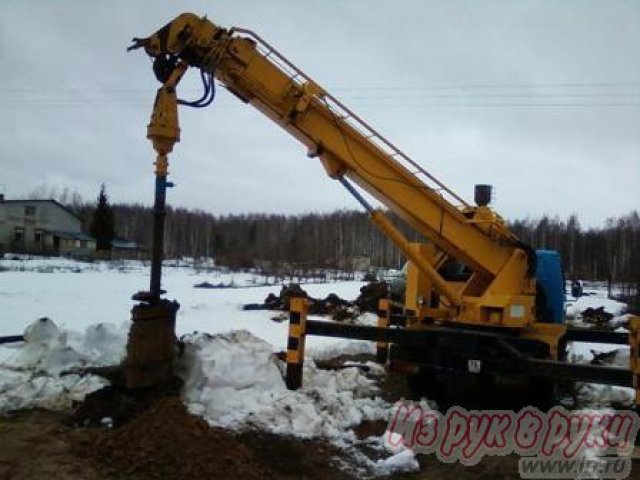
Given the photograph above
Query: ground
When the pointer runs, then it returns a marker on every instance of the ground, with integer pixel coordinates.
(167, 442)
(163, 442)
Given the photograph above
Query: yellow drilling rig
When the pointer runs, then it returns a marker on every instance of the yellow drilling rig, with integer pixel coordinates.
(479, 303)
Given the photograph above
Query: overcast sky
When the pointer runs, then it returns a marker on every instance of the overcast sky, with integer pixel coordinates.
(539, 98)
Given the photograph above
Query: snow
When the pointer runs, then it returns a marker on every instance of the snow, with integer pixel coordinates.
(232, 377)
(596, 395)
(36, 374)
(617, 323)
(600, 396)
(594, 298)
(78, 294)
(234, 381)
(403, 461)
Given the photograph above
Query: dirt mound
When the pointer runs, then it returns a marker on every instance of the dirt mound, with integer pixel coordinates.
(597, 316)
(212, 286)
(338, 308)
(333, 305)
(165, 441)
(370, 295)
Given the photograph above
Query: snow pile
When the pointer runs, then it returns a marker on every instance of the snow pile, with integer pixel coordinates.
(619, 323)
(233, 380)
(103, 344)
(38, 373)
(595, 299)
(49, 350)
(602, 396)
(341, 346)
(403, 461)
(596, 395)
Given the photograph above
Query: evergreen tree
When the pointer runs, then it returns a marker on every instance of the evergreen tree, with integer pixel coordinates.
(103, 222)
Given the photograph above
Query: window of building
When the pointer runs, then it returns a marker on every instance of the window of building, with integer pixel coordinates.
(18, 234)
(29, 210)
(83, 244)
(37, 236)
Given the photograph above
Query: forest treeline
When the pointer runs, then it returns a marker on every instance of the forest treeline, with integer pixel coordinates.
(611, 252)
(333, 240)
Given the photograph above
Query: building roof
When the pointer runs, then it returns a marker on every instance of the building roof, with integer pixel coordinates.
(70, 235)
(124, 244)
(35, 200)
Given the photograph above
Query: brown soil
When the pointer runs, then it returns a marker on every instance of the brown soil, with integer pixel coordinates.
(163, 441)
(35, 444)
(338, 308)
(186, 446)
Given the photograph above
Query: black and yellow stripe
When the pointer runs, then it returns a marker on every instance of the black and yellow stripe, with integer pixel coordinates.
(634, 354)
(384, 316)
(298, 307)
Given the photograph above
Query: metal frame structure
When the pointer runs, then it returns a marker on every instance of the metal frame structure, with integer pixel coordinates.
(485, 352)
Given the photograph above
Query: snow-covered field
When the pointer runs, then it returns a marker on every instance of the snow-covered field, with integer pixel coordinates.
(231, 377)
(76, 295)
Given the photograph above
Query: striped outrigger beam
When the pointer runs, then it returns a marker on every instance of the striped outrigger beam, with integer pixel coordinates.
(384, 317)
(298, 307)
(634, 354)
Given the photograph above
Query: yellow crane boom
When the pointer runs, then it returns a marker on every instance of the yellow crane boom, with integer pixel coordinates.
(501, 289)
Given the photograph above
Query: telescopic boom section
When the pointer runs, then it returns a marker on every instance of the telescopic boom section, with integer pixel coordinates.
(259, 75)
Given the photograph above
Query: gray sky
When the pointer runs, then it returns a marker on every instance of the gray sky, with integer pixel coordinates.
(539, 98)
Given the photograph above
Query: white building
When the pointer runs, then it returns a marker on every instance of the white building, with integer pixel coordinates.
(42, 226)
